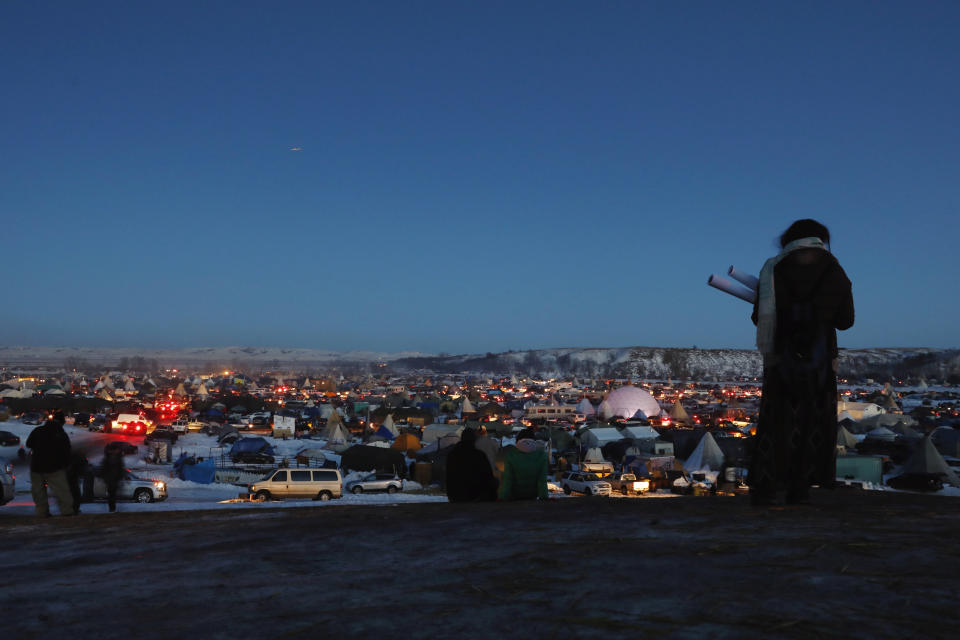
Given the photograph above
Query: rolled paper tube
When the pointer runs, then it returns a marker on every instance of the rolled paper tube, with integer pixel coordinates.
(733, 288)
(741, 276)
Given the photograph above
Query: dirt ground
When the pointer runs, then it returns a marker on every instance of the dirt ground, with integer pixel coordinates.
(855, 565)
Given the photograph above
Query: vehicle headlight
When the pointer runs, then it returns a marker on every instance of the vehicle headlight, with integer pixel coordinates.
(159, 485)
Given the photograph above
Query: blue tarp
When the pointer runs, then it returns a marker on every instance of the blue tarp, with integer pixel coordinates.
(253, 445)
(199, 472)
(383, 432)
(214, 413)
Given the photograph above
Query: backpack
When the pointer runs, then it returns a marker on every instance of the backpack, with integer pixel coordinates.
(804, 356)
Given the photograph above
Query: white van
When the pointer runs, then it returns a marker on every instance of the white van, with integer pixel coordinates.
(319, 484)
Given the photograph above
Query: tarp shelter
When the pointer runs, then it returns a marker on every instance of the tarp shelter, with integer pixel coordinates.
(251, 445)
(926, 459)
(599, 436)
(640, 432)
(707, 456)
(887, 420)
(406, 442)
(365, 458)
(433, 432)
(907, 432)
(383, 432)
(187, 468)
(882, 434)
(226, 432)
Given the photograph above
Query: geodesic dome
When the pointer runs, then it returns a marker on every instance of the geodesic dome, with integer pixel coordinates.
(630, 402)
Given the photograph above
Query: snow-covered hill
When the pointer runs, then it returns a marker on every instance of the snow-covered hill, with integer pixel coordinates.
(658, 362)
(644, 362)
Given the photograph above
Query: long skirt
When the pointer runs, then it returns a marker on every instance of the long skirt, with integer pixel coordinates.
(796, 441)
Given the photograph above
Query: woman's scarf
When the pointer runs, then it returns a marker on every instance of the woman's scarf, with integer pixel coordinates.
(767, 297)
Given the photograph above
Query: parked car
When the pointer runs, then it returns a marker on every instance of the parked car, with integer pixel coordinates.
(81, 419)
(97, 423)
(131, 423)
(32, 418)
(375, 482)
(131, 487)
(627, 483)
(125, 448)
(8, 439)
(252, 457)
(8, 482)
(588, 484)
(180, 425)
(161, 433)
(319, 484)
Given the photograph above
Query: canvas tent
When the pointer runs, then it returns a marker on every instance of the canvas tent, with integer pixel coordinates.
(599, 436)
(845, 438)
(926, 459)
(678, 414)
(586, 408)
(406, 442)
(707, 456)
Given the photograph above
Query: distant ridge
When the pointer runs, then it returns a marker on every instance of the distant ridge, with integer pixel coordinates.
(621, 362)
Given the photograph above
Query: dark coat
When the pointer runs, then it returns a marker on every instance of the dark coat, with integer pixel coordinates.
(51, 448)
(469, 476)
(112, 469)
(816, 274)
(796, 437)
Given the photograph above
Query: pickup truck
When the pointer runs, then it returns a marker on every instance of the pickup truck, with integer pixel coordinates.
(627, 483)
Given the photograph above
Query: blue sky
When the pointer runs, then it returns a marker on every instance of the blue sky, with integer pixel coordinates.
(472, 176)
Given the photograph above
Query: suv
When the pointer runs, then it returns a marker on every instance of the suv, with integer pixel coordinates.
(375, 482)
(588, 484)
(131, 487)
(319, 484)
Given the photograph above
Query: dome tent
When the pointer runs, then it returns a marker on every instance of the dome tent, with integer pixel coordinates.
(631, 402)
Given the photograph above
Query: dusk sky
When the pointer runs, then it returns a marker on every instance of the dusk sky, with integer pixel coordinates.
(468, 177)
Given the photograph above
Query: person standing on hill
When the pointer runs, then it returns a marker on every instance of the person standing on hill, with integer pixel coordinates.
(524, 472)
(50, 447)
(112, 472)
(803, 297)
(469, 476)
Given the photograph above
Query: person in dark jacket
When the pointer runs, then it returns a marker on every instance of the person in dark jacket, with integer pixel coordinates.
(50, 447)
(469, 475)
(77, 470)
(802, 291)
(112, 472)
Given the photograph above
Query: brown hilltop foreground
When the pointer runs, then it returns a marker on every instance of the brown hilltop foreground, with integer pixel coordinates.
(854, 565)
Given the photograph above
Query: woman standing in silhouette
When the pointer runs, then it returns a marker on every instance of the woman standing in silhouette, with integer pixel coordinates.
(803, 297)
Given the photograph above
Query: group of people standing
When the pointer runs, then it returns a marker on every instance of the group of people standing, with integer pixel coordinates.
(56, 467)
(471, 469)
